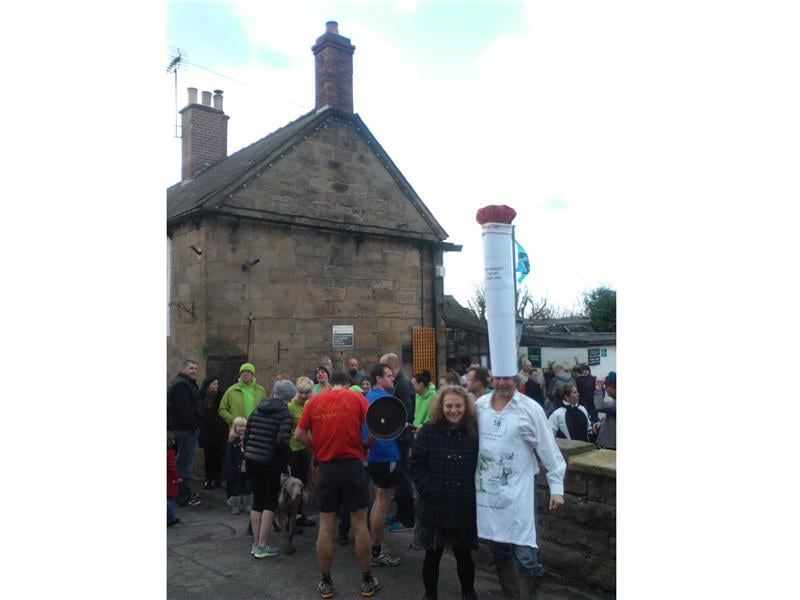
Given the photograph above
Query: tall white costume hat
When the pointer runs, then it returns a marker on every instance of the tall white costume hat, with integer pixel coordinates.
(498, 281)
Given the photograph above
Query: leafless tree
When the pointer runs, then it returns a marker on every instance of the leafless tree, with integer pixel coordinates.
(477, 303)
(527, 306)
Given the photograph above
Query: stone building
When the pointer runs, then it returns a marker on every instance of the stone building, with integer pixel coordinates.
(311, 227)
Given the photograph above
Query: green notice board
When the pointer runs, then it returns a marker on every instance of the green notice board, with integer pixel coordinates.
(535, 356)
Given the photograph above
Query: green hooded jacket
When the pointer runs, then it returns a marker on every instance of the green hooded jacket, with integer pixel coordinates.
(233, 403)
(421, 405)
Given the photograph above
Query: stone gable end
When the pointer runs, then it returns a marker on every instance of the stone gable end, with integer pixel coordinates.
(335, 177)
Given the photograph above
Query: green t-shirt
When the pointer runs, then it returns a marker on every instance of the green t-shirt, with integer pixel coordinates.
(296, 409)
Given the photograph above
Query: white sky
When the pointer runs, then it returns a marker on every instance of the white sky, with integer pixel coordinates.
(516, 117)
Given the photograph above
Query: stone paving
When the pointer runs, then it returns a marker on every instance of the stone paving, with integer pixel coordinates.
(208, 557)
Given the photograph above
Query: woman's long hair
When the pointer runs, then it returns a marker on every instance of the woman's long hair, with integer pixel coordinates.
(210, 403)
(436, 410)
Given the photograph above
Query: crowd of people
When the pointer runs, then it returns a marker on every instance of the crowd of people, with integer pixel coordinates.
(461, 469)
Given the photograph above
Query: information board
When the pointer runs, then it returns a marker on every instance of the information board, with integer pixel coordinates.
(535, 356)
(594, 356)
(343, 336)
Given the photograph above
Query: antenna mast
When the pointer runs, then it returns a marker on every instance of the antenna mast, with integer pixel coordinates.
(178, 56)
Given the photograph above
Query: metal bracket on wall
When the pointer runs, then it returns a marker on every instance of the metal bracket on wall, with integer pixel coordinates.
(182, 306)
(278, 361)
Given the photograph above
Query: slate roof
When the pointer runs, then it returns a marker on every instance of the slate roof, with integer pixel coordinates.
(550, 333)
(207, 188)
(566, 339)
(456, 315)
(210, 189)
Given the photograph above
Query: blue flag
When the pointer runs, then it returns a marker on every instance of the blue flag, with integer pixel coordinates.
(523, 264)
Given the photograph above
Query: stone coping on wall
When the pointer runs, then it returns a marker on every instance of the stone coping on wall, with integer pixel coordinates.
(583, 457)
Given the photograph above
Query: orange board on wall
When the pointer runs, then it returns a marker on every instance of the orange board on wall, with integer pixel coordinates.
(423, 341)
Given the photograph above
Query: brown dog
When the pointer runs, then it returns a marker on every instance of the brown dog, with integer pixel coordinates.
(289, 500)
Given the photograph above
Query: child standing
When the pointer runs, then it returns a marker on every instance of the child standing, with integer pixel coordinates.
(172, 480)
(238, 490)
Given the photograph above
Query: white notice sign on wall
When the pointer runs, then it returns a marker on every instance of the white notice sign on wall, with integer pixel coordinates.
(343, 336)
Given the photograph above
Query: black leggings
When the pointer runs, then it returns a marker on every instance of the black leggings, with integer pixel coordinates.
(265, 481)
(299, 465)
(464, 566)
(212, 458)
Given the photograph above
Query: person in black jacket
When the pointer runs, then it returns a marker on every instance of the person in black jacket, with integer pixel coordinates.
(266, 453)
(585, 383)
(442, 464)
(403, 520)
(184, 412)
(532, 387)
(213, 432)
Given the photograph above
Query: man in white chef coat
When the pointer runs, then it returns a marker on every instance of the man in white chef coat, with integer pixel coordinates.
(513, 430)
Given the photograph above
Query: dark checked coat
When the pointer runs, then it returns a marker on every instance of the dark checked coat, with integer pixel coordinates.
(442, 465)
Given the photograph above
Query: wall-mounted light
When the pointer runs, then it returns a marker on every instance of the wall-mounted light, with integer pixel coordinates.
(198, 251)
(250, 262)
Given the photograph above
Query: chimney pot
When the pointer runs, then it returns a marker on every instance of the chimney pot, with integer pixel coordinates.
(204, 133)
(332, 27)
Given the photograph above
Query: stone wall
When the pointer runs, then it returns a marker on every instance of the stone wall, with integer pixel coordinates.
(306, 282)
(578, 541)
(187, 293)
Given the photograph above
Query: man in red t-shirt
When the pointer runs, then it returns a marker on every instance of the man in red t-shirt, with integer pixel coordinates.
(331, 426)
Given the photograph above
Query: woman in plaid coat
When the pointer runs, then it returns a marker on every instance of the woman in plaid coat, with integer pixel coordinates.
(442, 466)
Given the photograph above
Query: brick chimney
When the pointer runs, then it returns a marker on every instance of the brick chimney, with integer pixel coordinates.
(333, 59)
(204, 132)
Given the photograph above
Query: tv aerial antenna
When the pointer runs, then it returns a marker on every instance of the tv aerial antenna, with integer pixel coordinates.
(177, 61)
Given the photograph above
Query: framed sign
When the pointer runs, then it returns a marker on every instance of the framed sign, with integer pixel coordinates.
(535, 356)
(594, 356)
(343, 336)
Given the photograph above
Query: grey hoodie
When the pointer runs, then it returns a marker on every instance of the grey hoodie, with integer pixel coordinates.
(560, 379)
(607, 437)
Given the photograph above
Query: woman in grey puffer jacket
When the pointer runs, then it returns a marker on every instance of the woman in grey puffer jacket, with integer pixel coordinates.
(266, 450)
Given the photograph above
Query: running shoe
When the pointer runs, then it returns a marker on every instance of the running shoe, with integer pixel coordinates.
(325, 588)
(385, 558)
(399, 526)
(370, 586)
(266, 550)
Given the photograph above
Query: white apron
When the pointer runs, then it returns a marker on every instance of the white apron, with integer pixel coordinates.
(504, 479)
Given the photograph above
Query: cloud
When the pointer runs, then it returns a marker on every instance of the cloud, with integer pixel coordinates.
(406, 6)
(555, 204)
